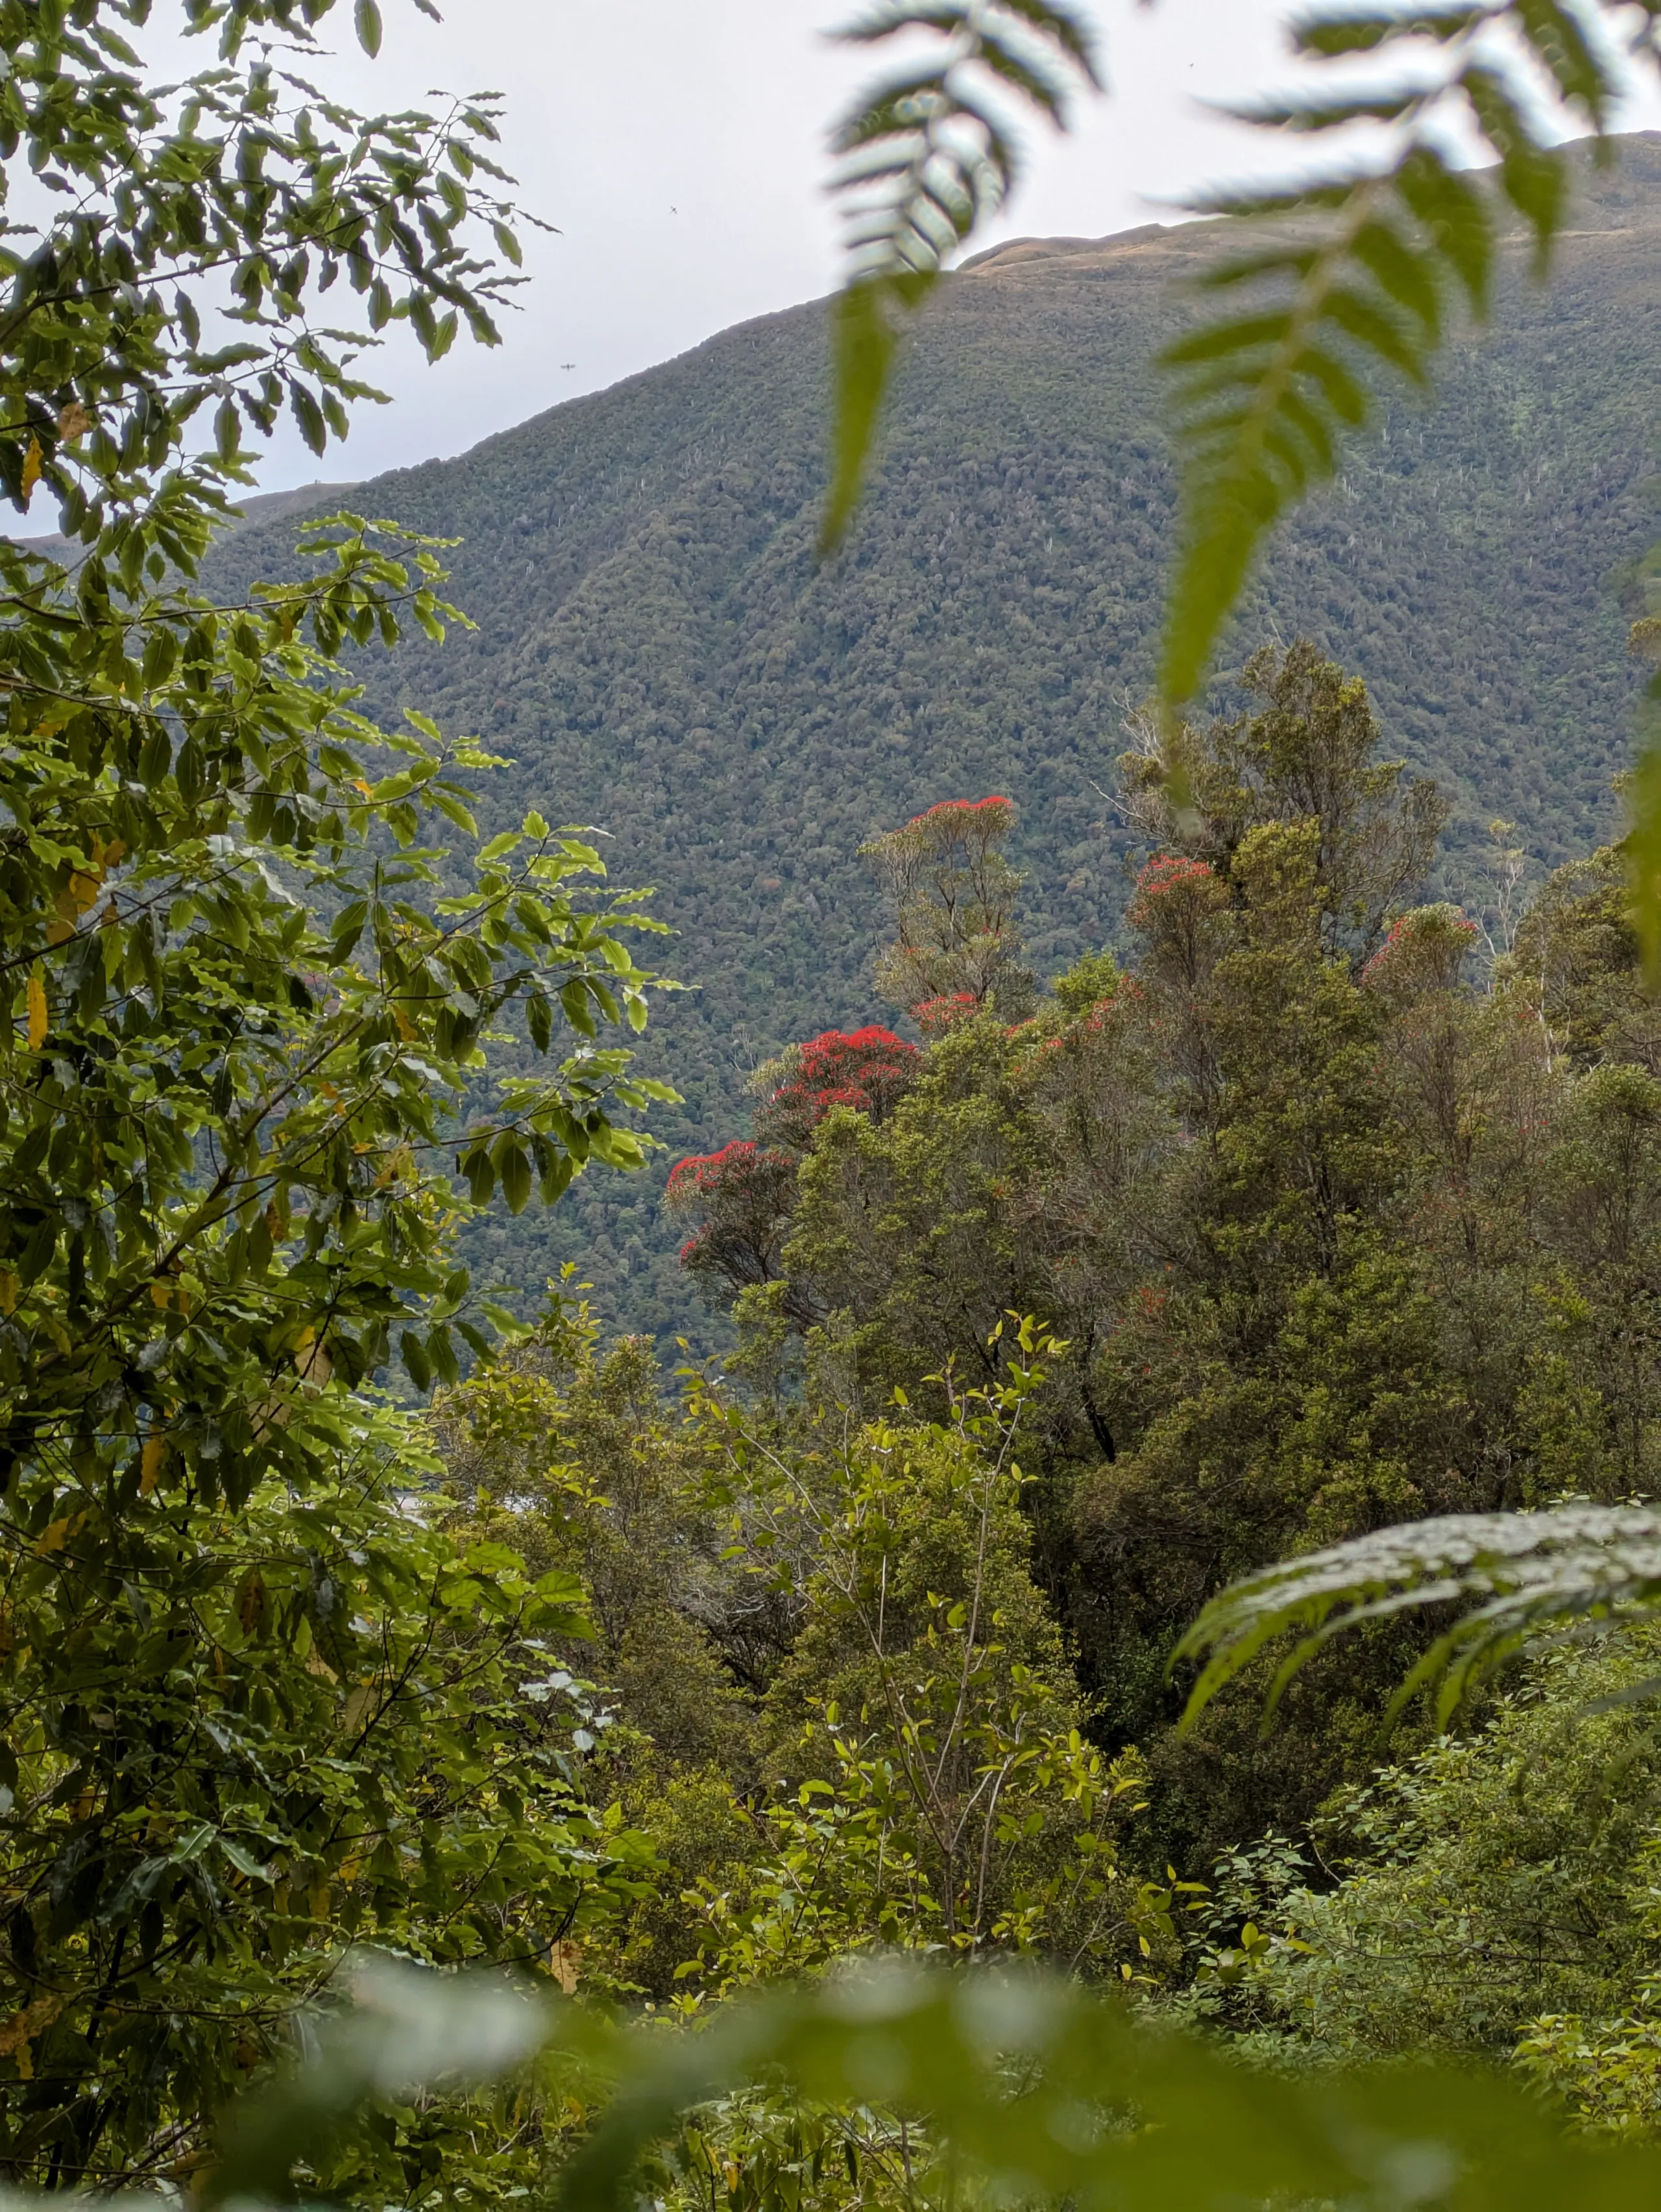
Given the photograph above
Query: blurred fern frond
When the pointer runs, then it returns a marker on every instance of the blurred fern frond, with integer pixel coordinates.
(923, 159)
(1573, 1567)
(1344, 281)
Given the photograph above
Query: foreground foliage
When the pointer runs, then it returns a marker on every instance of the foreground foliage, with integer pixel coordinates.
(995, 2084)
(1494, 1897)
(257, 1695)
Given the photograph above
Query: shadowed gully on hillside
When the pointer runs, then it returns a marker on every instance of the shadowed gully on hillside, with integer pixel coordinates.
(660, 655)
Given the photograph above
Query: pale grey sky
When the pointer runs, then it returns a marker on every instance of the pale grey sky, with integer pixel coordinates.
(679, 148)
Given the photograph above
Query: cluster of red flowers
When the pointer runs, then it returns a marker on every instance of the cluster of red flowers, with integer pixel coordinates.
(956, 806)
(866, 1069)
(853, 1070)
(703, 1173)
(934, 1015)
(1165, 873)
(743, 1193)
(745, 1190)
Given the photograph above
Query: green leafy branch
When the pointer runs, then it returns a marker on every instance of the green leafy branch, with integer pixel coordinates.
(255, 180)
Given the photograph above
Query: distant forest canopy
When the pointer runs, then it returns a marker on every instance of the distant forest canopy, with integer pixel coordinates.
(659, 656)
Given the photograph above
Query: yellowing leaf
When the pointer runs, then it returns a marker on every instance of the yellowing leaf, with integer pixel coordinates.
(74, 422)
(31, 468)
(19, 2031)
(271, 1413)
(39, 1016)
(9, 1290)
(56, 1534)
(312, 1364)
(150, 1462)
(161, 1294)
(400, 1163)
(563, 1960)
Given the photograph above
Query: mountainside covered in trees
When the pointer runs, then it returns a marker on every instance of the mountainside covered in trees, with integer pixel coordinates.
(660, 655)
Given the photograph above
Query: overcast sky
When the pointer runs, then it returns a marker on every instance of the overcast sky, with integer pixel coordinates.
(679, 148)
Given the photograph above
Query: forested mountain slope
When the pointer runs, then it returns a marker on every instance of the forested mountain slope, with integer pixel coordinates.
(660, 655)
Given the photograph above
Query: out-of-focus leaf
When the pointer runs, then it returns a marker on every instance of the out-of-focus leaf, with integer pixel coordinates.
(403, 2029)
(1343, 287)
(1047, 2093)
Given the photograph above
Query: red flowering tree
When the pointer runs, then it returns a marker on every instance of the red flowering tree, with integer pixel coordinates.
(742, 1198)
(935, 1016)
(953, 895)
(1178, 908)
(867, 1069)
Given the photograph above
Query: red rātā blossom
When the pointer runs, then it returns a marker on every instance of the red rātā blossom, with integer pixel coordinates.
(867, 1069)
(746, 1193)
(1165, 873)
